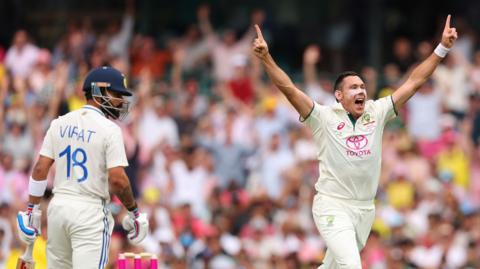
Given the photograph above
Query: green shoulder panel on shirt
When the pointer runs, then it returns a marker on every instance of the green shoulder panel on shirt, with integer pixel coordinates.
(393, 104)
(308, 115)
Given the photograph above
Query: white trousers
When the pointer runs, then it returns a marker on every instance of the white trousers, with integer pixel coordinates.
(79, 233)
(344, 225)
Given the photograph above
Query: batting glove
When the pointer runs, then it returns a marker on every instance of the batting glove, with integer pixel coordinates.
(136, 224)
(28, 224)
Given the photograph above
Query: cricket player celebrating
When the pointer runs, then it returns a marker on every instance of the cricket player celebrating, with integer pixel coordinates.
(89, 155)
(348, 137)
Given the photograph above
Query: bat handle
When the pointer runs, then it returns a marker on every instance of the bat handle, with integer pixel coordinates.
(28, 255)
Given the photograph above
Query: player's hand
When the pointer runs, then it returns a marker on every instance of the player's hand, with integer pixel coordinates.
(28, 225)
(137, 226)
(260, 47)
(449, 34)
(311, 55)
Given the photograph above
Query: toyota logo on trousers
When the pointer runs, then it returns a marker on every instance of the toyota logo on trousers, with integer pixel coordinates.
(357, 142)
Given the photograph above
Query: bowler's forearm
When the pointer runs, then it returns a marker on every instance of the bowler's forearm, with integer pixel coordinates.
(299, 100)
(424, 70)
(417, 78)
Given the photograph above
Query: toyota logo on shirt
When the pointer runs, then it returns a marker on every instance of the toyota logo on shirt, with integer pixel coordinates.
(357, 142)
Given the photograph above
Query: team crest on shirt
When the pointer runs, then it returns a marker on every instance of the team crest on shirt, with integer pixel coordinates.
(368, 122)
(367, 119)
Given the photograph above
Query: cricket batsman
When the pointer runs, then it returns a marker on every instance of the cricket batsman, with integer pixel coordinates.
(348, 137)
(89, 155)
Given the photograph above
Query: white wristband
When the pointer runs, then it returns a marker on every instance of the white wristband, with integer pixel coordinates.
(441, 50)
(37, 187)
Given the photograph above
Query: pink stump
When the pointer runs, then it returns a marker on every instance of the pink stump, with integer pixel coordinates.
(137, 262)
(153, 262)
(121, 262)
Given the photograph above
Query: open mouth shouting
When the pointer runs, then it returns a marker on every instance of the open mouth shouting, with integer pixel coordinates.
(360, 101)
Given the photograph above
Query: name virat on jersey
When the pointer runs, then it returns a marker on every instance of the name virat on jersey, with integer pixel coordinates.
(69, 131)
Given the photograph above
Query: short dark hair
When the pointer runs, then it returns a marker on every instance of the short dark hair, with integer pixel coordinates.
(339, 81)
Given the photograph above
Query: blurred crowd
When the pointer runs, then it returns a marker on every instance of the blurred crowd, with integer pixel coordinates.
(222, 165)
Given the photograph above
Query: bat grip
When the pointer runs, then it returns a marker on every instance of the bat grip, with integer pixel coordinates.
(28, 255)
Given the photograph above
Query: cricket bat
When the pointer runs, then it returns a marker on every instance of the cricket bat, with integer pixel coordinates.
(26, 260)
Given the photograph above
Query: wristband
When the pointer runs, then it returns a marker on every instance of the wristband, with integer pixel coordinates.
(37, 187)
(441, 50)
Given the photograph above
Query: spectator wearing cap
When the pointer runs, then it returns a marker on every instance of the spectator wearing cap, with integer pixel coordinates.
(400, 190)
(241, 85)
(269, 122)
(453, 160)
